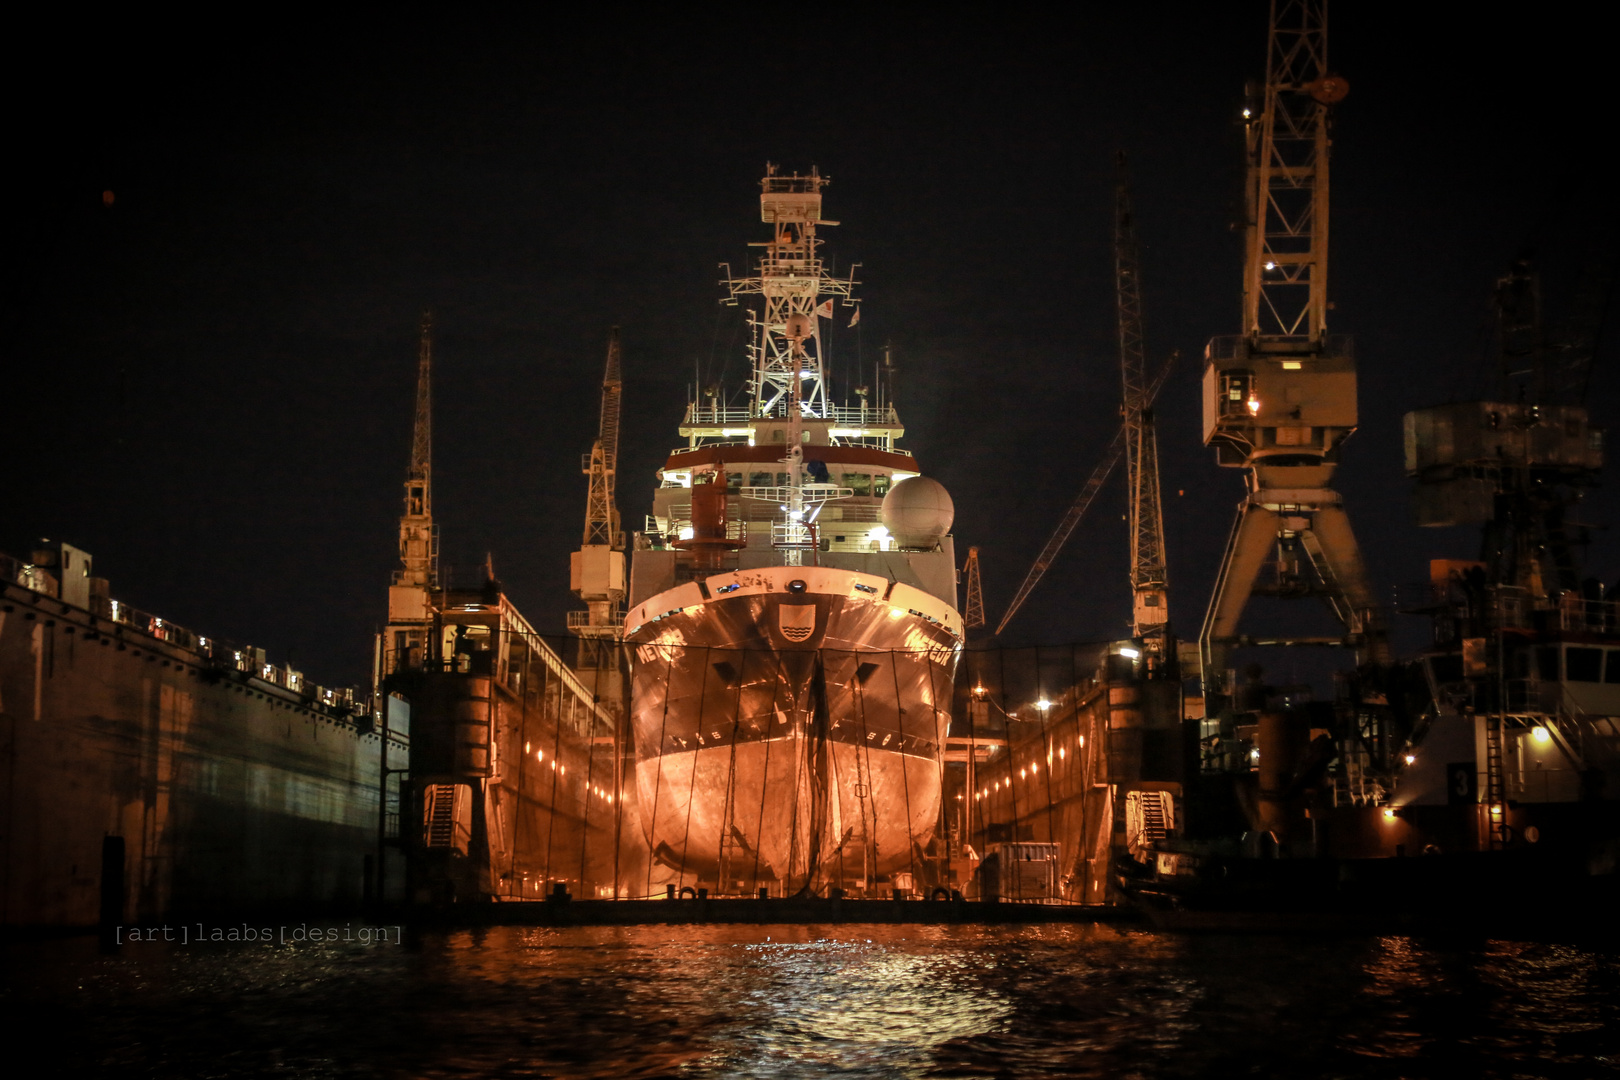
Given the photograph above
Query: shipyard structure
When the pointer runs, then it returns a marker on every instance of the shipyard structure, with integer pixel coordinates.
(150, 771)
(772, 691)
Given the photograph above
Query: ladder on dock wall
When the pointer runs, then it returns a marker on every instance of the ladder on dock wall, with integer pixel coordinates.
(441, 815)
(1495, 784)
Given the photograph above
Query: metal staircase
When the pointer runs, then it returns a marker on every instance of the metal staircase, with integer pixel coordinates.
(441, 823)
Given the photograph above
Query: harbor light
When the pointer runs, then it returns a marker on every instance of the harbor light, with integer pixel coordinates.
(1130, 653)
(1043, 704)
(1389, 813)
(1541, 734)
(686, 533)
(1410, 758)
(1254, 405)
(1254, 755)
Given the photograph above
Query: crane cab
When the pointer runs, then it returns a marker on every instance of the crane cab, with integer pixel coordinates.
(1262, 403)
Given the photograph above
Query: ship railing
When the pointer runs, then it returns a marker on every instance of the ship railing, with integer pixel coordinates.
(29, 576)
(680, 521)
(243, 658)
(1577, 614)
(866, 513)
(867, 416)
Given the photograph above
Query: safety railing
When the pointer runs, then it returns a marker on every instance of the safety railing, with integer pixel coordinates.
(242, 658)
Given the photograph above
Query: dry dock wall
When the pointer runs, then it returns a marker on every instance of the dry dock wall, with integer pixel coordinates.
(204, 790)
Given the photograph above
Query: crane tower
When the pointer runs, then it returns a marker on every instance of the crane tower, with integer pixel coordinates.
(1150, 613)
(1279, 399)
(596, 570)
(410, 608)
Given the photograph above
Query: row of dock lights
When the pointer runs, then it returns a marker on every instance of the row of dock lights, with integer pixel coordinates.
(1062, 753)
(562, 770)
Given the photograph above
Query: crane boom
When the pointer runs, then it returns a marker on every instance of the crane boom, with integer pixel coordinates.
(601, 509)
(1099, 476)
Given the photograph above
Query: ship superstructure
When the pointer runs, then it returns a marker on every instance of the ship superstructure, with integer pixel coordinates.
(792, 610)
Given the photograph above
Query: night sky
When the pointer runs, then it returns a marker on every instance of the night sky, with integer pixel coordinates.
(208, 383)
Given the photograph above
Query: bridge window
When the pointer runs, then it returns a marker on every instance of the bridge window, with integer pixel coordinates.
(1583, 664)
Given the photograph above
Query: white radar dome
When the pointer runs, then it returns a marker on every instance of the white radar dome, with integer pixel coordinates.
(918, 512)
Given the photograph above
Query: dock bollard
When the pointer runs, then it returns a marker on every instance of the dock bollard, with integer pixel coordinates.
(669, 892)
(703, 894)
(764, 893)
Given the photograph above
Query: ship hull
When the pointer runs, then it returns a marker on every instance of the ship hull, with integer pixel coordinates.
(790, 726)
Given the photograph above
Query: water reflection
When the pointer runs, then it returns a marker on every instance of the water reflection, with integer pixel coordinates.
(677, 1001)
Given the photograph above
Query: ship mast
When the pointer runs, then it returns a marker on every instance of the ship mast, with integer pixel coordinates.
(789, 380)
(793, 281)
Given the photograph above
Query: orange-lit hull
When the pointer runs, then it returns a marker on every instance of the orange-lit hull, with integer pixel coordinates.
(764, 761)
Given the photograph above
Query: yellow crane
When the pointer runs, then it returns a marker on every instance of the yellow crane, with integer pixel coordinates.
(596, 571)
(1279, 399)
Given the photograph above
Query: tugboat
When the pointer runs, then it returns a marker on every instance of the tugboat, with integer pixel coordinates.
(792, 612)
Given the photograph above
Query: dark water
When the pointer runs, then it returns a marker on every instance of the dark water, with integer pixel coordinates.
(846, 1001)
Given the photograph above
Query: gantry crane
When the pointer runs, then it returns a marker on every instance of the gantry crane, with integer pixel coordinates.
(1280, 398)
(596, 570)
(410, 607)
(1150, 589)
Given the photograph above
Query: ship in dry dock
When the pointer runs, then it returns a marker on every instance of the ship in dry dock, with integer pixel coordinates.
(792, 611)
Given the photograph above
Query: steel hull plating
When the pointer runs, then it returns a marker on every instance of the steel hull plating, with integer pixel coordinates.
(790, 739)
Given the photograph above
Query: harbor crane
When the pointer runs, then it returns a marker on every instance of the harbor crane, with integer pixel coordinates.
(1279, 399)
(1150, 588)
(596, 570)
(410, 605)
(1136, 443)
(973, 607)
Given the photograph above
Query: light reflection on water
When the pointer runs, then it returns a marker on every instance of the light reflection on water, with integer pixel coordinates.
(876, 1001)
